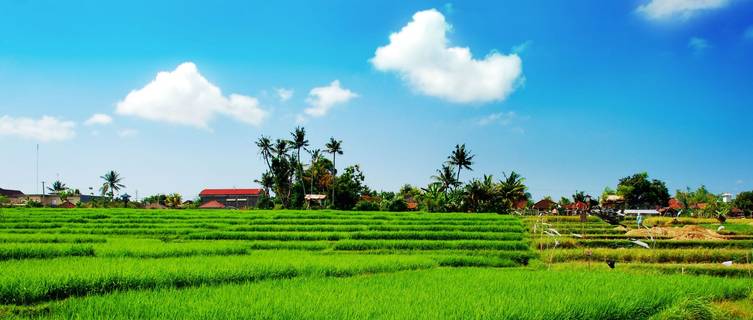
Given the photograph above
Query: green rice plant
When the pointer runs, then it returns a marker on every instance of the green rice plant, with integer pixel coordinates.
(425, 294)
(44, 238)
(289, 245)
(282, 236)
(433, 235)
(668, 244)
(33, 281)
(16, 251)
(153, 248)
(653, 256)
(362, 245)
(471, 228)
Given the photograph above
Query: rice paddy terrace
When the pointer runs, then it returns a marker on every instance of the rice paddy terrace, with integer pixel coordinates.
(190, 264)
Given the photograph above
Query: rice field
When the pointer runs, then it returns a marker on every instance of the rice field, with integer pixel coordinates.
(194, 264)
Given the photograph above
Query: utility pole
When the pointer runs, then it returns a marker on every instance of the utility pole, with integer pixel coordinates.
(42, 196)
(37, 182)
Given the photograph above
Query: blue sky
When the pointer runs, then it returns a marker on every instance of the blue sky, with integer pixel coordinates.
(571, 94)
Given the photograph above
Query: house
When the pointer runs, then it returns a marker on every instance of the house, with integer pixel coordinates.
(54, 200)
(212, 204)
(14, 196)
(544, 205)
(576, 206)
(613, 201)
(232, 198)
(521, 204)
(317, 198)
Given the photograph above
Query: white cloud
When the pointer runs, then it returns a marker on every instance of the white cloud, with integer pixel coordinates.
(125, 133)
(698, 45)
(520, 48)
(45, 129)
(284, 94)
(501, 118)
(322, 99)
(185, 97)
(98, 118)
(419, 52)
(666, 9)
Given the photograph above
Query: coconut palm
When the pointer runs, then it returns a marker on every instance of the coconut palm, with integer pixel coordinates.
(112, 183)
(446, 178)
(316, 155)
(265, 149)
(334, 147)
(267, 181)
(281, 148)
(513, 188)
(299, 142)
(57, 187)
(461, 158)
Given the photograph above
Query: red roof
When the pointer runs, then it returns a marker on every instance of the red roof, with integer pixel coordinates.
(230, 192)
(675, 204)
(212, 205)
(577, 206)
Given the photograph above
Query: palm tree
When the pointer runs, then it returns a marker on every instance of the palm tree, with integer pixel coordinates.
(446, 178)
(57, 187)
(112, 183)
(267, 181)
(299, 142)
(461, 158)
(513, 188)
(316, 155)
(281, 148)
(334, 147)
(265, 149)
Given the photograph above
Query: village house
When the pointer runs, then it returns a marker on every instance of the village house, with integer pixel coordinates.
(230, 198)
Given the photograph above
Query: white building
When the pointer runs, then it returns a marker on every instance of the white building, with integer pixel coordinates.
(726, 197)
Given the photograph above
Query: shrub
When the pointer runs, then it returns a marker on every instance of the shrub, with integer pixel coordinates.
(366, 206)
(33, 204)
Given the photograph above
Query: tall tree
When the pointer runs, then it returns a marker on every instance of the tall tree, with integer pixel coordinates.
(513, 189)
(446, 178)
(57, 187)
(267, 181)
(744, 202)
(641, 193)
(265, 150)
(316, 155)
(300, 142)
(113, 182)
(461, 158)
(334, 147)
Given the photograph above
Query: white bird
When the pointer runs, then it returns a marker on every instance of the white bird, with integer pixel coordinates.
(576, 235)
(727, 263)
(641, 243)
(720, 228)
